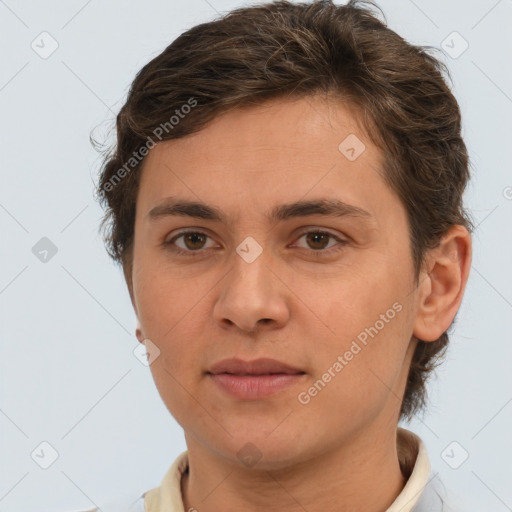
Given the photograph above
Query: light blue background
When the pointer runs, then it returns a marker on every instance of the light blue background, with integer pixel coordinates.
(68, 373)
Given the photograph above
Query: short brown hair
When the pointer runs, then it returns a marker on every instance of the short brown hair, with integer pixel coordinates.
(283, 49)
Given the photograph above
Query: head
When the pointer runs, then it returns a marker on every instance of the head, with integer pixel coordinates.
(269, 106)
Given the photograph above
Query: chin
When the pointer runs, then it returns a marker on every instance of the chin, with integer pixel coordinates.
(261, 452)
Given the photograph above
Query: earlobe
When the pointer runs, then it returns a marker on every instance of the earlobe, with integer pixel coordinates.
(138, 332)
(442, 284)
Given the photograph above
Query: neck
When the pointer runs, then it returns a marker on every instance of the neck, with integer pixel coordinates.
(363, 474)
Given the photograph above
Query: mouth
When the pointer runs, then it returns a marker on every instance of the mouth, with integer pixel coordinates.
(262, 366)
(254, 380)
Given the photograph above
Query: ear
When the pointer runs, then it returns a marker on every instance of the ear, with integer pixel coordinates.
(138, 332)
(138, 329)
(442, 284)
(127, 272)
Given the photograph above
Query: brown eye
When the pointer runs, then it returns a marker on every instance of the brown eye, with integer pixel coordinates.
(191, 243)
(318, 240)
(194, 240)
(321, 243)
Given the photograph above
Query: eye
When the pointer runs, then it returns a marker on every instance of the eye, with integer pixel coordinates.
(193, 242)
(318, 240)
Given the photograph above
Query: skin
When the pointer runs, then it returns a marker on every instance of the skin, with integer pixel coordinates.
(338, 452)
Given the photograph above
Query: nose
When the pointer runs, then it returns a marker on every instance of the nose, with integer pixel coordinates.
(252, 297)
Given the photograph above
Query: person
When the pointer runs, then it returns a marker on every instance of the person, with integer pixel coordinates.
(285, 200)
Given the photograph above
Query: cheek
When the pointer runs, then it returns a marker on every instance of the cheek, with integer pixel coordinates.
(351, 302)
(166, 309)
(178, 369)
(370, 327)
(163, 300)
(356, 381)
(171, 387)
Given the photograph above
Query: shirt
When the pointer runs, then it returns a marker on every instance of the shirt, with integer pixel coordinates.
(423, 491)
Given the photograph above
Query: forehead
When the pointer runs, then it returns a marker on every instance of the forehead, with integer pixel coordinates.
(280, 151)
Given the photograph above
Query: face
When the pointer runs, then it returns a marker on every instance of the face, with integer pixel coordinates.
(329, 293)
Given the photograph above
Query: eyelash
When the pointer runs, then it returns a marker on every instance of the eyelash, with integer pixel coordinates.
(317, 253)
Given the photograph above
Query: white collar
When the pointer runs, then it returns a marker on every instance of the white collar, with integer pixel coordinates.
(415, 485)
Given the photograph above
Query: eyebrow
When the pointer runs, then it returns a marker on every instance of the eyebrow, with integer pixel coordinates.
(330, 207)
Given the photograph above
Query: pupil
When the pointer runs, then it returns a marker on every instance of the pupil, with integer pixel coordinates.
(194, 237)
(316, 237)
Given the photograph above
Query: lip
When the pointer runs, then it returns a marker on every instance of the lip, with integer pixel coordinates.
(254, 380)
(262, 366)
